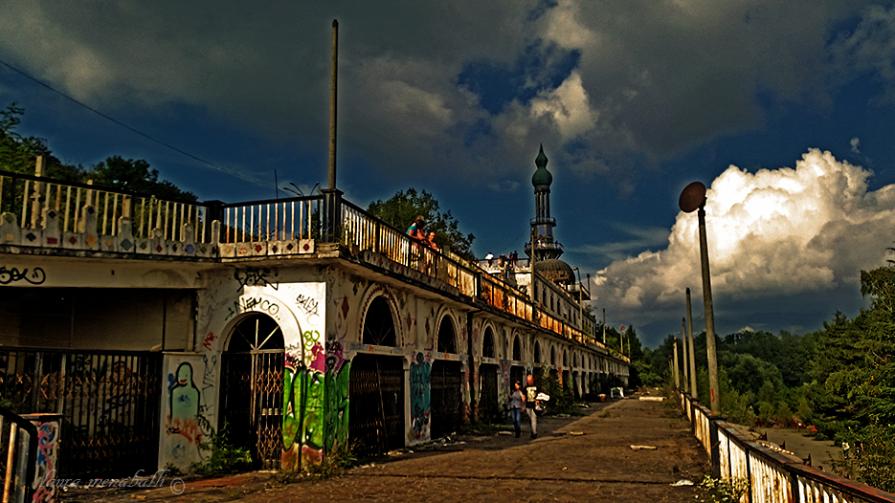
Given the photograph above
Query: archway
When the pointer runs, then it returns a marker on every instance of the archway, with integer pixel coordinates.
(251, 396)
(376, 387)
(446, 382)
(488, 372)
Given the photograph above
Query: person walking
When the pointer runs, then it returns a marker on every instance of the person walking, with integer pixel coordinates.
(517, 402)
(531, 403)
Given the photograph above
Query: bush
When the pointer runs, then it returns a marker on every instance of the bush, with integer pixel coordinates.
(224, 458)
(869, 456)
(720, 490)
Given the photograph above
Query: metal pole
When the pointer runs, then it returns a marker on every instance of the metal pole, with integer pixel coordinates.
(692, 348)
(333, 87)
(677, 378)
(604, 326)
(714, 398)
(686, 375)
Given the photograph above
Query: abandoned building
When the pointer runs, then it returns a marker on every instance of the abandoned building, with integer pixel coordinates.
(298, 325)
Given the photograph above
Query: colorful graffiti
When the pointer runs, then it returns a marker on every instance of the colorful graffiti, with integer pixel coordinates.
(185, 420)
(47, 440)
(315, 401)
(420, 396)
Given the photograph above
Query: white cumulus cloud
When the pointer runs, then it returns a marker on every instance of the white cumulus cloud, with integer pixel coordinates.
(776, 232)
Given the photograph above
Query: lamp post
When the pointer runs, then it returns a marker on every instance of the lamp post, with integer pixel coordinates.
(693, 198)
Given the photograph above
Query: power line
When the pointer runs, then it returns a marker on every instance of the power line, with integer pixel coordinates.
(109, 118)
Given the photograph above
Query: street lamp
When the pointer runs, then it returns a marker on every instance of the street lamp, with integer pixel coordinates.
(693, 199)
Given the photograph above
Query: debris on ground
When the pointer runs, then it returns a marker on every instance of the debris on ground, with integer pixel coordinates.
(652, 398)
(394, 454)
(682, 482)
(505, 433)
(576, 433)
(637, 447)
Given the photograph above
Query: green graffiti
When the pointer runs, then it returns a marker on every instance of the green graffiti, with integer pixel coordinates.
(303, 408)
(337, 386)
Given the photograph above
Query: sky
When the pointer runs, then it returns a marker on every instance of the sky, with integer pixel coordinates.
(783, 109)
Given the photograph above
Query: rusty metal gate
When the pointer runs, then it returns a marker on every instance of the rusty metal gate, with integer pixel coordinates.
(489, 408)
(109, 401)
(251, 395)
(252, 403)
(447, 401)
(376, 398)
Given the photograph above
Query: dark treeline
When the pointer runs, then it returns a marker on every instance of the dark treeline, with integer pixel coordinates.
(837, 382)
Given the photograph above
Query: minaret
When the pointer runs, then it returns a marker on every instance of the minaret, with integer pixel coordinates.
(542, 224)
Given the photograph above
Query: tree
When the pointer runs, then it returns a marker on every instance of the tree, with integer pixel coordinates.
(135, 175)
(400, 210)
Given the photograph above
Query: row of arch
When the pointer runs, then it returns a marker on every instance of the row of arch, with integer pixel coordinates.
(379, 329)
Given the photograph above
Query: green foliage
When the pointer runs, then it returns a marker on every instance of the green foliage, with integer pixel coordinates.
(400, 210)
(721, 490)
(224, 457)
(852, 396)
(869, 456)
(561, 399)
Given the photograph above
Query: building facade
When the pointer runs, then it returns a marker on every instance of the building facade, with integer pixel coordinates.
(296, 327)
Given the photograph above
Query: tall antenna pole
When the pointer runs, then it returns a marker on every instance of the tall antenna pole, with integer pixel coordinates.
(691, 349)
(604, 326)
(333, 88)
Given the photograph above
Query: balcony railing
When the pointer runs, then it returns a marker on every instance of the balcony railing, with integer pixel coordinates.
(771, 476)
(42, 212)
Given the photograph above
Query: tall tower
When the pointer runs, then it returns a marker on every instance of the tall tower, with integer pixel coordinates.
(542, 224)
(548, 250)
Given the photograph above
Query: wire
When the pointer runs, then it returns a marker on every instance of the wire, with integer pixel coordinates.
(108, 117)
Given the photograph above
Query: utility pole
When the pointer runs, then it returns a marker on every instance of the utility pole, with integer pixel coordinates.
(333, 88)
(686, 375)
(693, 198)
(604, 326)
(677, 378)
(692, 348)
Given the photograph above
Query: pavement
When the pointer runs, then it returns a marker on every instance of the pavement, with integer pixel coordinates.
(587, 458)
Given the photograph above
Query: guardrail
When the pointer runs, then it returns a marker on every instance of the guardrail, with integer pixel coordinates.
(45, 204)
(772, 476)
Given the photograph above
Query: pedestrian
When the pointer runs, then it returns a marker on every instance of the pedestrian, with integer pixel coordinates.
(416, 230)
(430, 240)
(531, 403)
(517, 402)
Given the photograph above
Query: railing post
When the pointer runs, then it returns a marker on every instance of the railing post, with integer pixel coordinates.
(332, 215)
(714, 445)
(214, 211)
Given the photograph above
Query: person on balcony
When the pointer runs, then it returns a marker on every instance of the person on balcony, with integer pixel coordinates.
(430, 241)
(416, 230)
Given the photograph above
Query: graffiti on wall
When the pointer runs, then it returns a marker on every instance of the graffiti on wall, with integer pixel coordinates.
(257, 304)
(420, 396)
(185, 422)
(256, 277)
(35, 276)
(47, 440)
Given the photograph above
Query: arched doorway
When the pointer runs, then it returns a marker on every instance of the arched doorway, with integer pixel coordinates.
(447, 401)
(517, 372)
(376, 387)
(488, 406)
(251, 397)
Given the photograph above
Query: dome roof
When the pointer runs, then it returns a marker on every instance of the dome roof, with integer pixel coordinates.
(542, 177)
(555, 270)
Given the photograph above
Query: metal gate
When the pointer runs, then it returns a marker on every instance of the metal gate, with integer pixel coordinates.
(376, 398)
(252, 403)
(489, 408)
(447, 401)
(109, 401)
